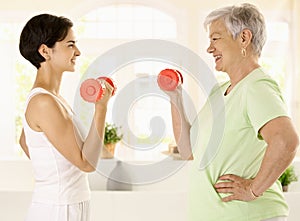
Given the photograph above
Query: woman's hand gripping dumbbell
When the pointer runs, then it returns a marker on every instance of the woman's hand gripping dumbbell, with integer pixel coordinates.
(92, 90)
(169, 79)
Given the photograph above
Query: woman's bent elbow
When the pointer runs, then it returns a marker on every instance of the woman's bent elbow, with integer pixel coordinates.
(86, 167)
(295, 143)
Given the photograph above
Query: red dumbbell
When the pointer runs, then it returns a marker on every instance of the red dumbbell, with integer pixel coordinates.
(169, 79)
(91, 90)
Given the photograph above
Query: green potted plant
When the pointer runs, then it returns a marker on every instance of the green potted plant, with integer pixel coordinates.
(287, 178)
(112, 136)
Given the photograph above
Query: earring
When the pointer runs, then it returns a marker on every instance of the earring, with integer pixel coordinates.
(244, 53)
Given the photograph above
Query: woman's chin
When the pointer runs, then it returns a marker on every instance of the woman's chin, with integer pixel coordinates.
(218, 68)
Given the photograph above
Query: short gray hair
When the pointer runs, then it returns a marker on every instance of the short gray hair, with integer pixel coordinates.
(238, 18)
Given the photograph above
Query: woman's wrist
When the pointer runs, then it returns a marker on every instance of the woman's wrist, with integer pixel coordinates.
(253, 193)
(101, 106)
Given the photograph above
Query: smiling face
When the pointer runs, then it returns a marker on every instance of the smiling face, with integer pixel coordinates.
(64, 53)
(225, 50)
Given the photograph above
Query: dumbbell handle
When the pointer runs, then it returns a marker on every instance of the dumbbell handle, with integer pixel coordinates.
(92, 90)
(169, 79)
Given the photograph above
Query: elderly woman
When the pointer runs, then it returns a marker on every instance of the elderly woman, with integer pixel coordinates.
(258, 142)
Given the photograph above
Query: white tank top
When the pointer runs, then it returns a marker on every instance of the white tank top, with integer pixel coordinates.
(57, 180)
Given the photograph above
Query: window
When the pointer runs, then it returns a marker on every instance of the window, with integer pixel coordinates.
(126, 22)
(12, 77)
(113, 25)
(276, 55)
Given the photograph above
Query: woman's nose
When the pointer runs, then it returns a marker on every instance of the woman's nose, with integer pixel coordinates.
(210, 48)
(77, 52)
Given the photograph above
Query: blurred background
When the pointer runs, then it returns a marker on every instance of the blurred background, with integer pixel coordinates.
(104, 24)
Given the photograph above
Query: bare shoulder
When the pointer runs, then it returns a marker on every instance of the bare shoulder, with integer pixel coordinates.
(41, 103)
(42, 108)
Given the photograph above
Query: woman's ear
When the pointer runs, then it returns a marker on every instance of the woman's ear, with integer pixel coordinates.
(246, 37)
(44, 50)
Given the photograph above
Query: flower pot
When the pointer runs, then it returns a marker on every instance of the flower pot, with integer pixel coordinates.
(285, 188)
(108, 151)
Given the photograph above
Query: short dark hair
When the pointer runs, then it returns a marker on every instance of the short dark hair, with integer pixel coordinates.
(42, 29)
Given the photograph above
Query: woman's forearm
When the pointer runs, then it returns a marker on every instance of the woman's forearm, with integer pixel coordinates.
(277, 158)
(95, 139)
(181, 128)
(282, 141)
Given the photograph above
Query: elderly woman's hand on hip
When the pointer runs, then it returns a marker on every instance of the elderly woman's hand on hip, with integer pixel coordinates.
(238, 187)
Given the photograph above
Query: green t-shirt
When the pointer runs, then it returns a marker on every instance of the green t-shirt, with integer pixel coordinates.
(225, 140)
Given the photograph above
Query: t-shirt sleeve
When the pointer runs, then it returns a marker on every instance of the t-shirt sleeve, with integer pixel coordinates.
(264, 103)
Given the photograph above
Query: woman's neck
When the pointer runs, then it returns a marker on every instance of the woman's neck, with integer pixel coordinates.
(48, 80)
(241, 71)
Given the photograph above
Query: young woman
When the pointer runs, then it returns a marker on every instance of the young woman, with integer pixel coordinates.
(52, 138)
